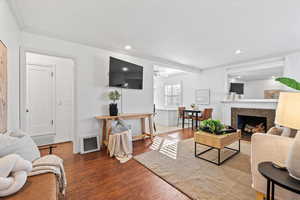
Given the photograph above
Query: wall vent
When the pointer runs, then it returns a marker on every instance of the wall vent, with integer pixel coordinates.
(89, 144)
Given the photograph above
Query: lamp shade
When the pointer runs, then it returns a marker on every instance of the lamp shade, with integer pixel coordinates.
(288, 110)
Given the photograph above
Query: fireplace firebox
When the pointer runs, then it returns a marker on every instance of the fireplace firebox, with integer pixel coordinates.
(252, 120)
(252, 124)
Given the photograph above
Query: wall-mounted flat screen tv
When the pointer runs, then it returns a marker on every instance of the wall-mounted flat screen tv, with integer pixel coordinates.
(237, 88)
(123, 74)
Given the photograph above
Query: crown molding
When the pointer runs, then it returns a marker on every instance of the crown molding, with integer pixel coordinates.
(16, 13)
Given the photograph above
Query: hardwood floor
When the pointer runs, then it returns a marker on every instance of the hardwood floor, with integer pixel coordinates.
(97, 176)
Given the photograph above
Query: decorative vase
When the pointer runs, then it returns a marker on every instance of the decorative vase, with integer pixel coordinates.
(113, 109)
(293, 161)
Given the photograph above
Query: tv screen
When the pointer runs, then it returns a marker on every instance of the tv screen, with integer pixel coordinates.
(125, 75)
(237, 88)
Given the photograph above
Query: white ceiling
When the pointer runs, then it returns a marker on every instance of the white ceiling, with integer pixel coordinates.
(160, 71)
(201, 33)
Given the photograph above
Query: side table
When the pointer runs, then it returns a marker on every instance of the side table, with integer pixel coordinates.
(277, 177)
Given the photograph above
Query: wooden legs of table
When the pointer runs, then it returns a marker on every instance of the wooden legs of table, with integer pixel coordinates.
(260, 196)
(151, 127)
(106, 130)
(143, 127)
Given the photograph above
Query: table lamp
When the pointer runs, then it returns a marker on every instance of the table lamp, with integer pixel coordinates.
(288, 115)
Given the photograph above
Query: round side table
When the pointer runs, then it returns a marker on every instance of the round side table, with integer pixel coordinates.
(277, 177)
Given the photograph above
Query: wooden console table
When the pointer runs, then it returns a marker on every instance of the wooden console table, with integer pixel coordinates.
(106, 128)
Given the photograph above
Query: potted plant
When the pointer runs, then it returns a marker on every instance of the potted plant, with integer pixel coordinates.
(113, 107)
(212, 126)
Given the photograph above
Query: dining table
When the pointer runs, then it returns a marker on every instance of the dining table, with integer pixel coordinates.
(193, 114)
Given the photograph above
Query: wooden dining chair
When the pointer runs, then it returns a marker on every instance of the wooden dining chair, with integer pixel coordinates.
(180, 115)
(206, 114)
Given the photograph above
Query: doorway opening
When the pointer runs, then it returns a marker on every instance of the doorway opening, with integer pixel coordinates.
(49, 98)
(168, 96)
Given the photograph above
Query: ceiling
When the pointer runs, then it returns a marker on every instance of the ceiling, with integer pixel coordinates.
(160, 71)
(199, 33)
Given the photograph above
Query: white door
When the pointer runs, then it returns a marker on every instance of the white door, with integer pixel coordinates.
(40, 100)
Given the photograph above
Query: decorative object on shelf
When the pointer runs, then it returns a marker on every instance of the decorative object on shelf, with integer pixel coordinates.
(3, 88)
(194, 106)
(202, 96)
(113, 107)
(287, 114)
(215, 127)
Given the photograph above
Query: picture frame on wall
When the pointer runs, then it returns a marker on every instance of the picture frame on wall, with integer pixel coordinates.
(202, 96)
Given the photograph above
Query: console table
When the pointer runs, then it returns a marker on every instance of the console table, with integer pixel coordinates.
(106, 127)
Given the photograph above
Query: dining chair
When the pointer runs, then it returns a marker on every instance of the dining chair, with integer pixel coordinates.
(206, 114)
(180, 115)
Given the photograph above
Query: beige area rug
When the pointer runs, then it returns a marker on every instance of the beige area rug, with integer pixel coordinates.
(202, 180)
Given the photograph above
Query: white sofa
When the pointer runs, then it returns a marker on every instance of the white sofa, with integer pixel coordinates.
(269, 148)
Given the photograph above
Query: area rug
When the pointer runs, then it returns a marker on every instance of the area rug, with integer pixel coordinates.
(202, 180)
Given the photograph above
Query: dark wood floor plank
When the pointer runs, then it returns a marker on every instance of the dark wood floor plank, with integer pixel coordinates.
(96, 176)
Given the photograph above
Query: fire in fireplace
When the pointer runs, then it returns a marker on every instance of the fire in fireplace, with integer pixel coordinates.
(252, 124)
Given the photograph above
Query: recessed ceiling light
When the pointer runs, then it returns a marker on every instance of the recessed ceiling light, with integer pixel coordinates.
(125, 69)
(237, 52)
(238, 77)
(127, 47)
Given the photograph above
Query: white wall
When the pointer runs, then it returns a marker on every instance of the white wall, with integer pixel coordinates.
(212, 79)
(64, 79)
(255, 89)
(292, 68)
(91, 77)
(10, 36)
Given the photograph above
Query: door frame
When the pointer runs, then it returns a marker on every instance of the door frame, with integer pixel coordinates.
(23, 85)
(53, 70)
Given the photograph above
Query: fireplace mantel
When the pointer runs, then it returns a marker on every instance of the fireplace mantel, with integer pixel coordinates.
(252, 101)
(246, 103)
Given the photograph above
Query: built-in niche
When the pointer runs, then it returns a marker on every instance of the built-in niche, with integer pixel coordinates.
(258, 79)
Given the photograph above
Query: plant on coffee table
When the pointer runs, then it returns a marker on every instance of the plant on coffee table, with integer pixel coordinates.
(212, 126)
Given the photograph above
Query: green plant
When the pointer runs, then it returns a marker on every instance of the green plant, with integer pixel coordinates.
(213, 126)
(114, 96)
(289, 82)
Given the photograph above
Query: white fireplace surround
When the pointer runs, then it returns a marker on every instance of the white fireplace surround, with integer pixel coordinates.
(246, 103)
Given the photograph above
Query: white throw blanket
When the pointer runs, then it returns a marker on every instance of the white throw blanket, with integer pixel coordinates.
(13, 174)
(118, 146)
(51, 164)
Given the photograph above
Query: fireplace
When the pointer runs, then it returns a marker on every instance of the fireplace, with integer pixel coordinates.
(251, 124)
(252, 120)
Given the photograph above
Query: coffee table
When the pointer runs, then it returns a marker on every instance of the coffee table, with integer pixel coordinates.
(218, 142)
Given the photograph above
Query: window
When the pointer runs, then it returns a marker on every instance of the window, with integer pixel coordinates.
(173, 95)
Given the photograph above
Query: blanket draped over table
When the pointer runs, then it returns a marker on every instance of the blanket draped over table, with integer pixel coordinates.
(13, 174)
(119, 146)
(51, 164)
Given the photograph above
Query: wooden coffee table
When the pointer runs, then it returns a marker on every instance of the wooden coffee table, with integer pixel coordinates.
(218, 142)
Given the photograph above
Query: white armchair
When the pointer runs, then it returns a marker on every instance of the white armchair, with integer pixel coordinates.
(269, 148)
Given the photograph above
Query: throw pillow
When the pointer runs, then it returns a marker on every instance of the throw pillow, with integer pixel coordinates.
(275, 131)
